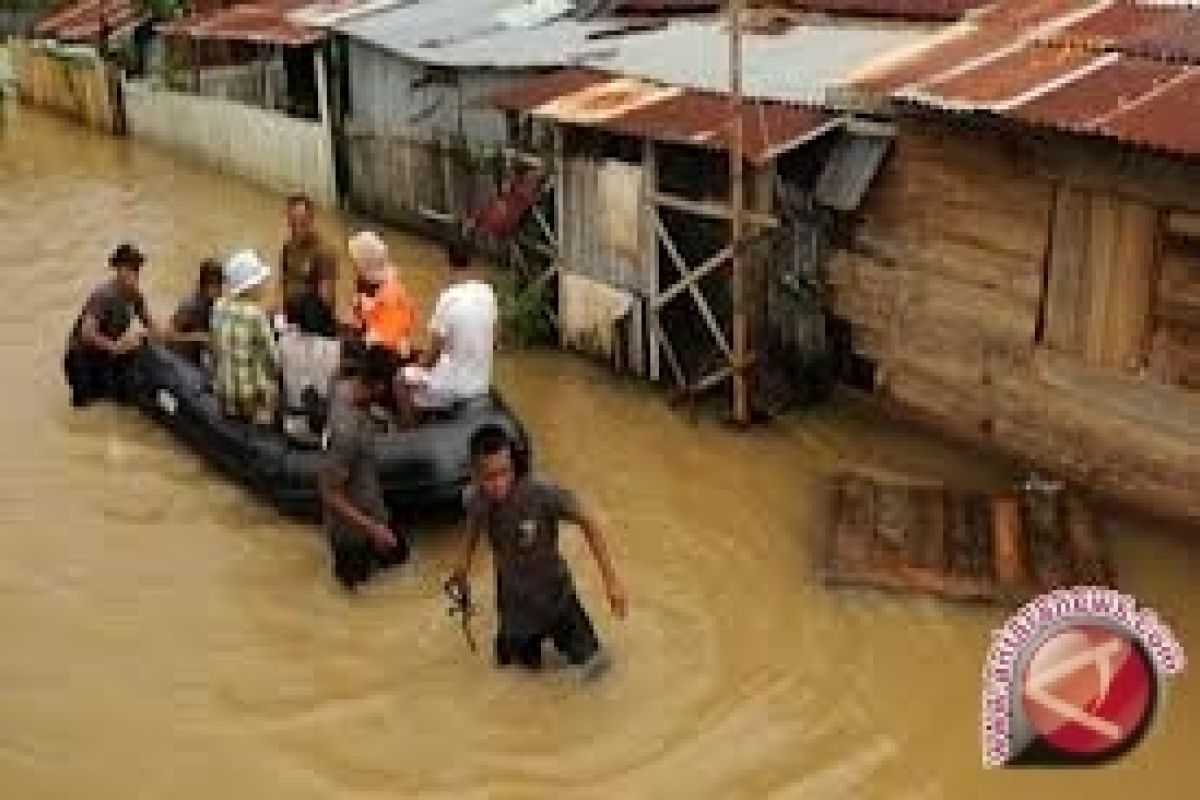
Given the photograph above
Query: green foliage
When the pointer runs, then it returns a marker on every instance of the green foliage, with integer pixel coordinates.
(523, 322)
(161, 9)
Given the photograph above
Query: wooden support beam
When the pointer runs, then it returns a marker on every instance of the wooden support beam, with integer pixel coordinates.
(691, 277)
(711, 381)
(701, 302)
(660, 336)
(711, 210)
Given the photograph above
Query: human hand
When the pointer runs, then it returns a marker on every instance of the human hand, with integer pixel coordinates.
(383, 536)
(129, 342)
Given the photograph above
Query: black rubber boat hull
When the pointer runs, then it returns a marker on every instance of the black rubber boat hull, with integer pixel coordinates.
(424, 467)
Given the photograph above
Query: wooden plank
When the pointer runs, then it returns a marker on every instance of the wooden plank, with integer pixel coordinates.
(1183, 224)
(1122, 262)
(1066, 312)
(710, 209)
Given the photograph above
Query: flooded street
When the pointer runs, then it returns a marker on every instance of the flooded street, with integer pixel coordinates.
(167, 636)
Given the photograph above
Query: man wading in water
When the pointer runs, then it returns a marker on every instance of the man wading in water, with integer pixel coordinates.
(356, 516)
(535, 594)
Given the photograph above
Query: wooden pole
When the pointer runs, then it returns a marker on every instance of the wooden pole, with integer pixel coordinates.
(740, 354)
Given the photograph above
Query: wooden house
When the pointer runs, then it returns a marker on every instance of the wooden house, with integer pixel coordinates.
(1025, 273)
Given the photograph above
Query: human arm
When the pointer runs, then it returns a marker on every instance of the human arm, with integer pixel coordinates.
(614, 589)
(268, 348)
(89, 332)
(437, 344)
(325, 275)
(333, 494)
(151, 325)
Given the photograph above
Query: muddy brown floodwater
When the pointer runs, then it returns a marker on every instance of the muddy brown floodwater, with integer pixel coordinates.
(167, 636)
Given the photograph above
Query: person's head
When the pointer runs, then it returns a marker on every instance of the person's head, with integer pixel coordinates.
(300, 217)
(211, 278)
(494, 467)
(369, 253)
(126, 262)
(458, 255)
(371, 370)
(245, 275)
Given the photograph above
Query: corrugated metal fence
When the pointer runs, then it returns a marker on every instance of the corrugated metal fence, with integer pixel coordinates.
(268, 148)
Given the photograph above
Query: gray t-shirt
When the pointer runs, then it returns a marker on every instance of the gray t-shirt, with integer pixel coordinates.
(114, 308)
(533, 583)
(351, 460)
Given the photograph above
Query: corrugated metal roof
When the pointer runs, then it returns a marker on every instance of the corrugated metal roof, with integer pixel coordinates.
(1113, 68)
(264, 22)
(1164, 119)
(916, 10)
(642, 109)
(470, 33)
(1086, 105)
(329, 13)
(666, 6)
(800, 65)
(89, 20)
(1004, 81)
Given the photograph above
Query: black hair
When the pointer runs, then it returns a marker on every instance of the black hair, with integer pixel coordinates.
(300, 199)
(491, 439)
(374, 365)
(458, 252)
(211, 272)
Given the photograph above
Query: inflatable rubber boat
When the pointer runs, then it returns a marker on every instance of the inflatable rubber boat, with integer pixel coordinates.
(423, 466)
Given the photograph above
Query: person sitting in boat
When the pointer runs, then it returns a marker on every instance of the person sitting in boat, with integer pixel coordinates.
(192, 321)
(99, 362)
(382, 313)
(307, 272)
(355, 515)
(245, 358)
(458, 364)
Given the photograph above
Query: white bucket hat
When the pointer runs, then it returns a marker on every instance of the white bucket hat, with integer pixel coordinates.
(243, 271)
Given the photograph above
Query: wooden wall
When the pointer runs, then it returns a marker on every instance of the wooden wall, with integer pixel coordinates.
(81, 87)
(1021, 310)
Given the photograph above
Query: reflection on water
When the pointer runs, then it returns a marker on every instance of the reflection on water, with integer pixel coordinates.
(167, 636)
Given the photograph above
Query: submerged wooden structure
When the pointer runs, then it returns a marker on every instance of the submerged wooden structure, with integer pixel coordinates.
(959, 544)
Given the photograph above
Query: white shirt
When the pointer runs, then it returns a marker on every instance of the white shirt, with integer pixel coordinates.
(465, 318)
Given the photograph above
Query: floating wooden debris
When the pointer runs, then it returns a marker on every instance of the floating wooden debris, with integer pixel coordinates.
(964, 545)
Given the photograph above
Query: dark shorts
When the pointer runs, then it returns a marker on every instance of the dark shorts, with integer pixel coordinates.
(356, 560)
(95, 375)
(572, 634)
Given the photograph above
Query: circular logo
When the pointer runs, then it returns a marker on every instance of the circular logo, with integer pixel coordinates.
(1088, 691)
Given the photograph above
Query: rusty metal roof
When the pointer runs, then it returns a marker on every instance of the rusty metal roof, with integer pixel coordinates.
(1006, 79)
(914, 10)
(263, 22)
(1117, 68)
(646, 110)
(91, 20)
